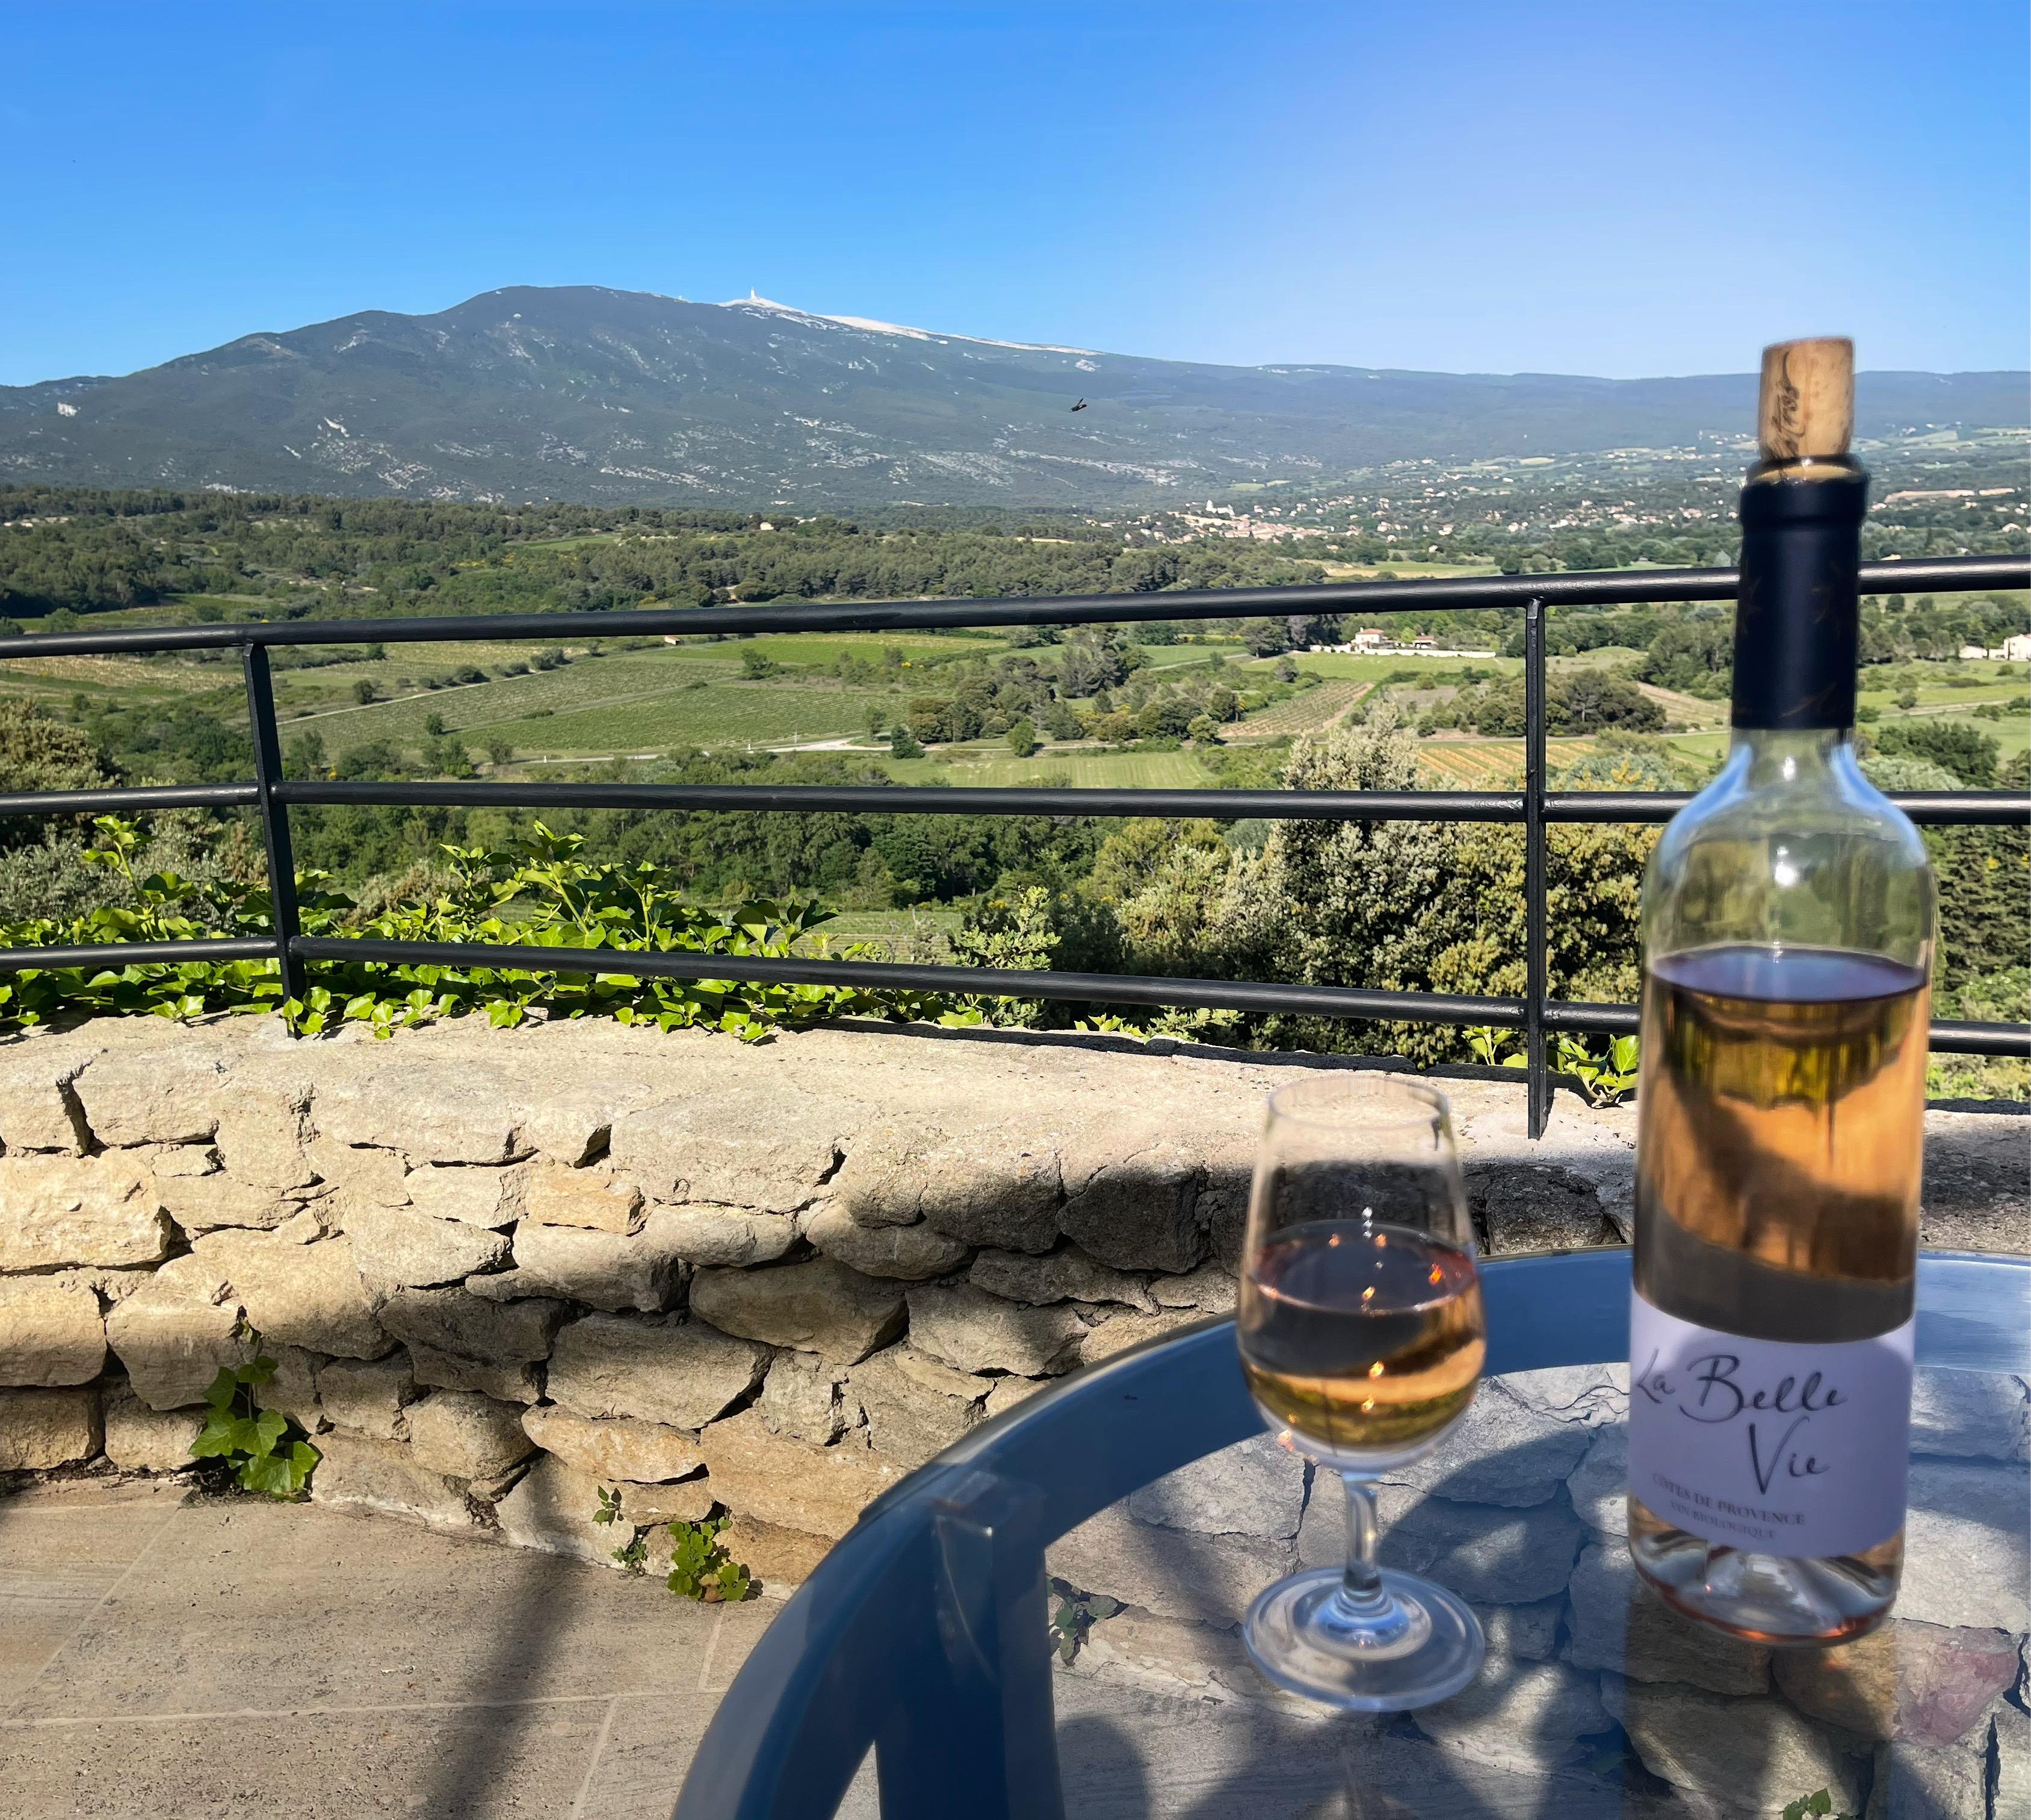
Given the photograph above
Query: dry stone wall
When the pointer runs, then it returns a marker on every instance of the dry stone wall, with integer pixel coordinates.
(502, 1270)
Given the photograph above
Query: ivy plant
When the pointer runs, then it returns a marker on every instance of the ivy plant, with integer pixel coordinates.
(1813, 1806)
(700, 1567)
(263, 1449)
(1077, 1612)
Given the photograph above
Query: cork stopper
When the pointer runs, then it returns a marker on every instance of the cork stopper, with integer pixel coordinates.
(1807, 404)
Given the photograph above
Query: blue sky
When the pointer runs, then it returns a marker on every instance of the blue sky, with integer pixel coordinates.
(1620, 189)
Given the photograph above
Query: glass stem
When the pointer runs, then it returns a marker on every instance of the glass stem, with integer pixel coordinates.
(1361, 1584)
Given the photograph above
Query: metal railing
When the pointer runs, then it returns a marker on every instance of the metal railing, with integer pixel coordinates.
(271, 795)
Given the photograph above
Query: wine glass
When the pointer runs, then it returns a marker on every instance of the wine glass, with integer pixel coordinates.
(1362, 1335)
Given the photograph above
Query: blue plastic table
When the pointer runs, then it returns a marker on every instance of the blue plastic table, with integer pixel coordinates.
(925, 1634)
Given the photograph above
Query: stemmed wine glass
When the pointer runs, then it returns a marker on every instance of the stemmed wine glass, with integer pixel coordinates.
(1362, 1337)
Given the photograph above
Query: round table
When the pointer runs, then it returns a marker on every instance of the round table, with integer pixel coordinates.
(926, 1634)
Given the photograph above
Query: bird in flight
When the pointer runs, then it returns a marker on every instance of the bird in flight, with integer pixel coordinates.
(1080, 405)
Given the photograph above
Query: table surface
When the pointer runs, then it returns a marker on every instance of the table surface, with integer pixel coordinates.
(1160, 1508)
(1596, 1699)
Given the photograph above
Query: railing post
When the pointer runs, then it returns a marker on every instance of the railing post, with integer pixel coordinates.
(274, 815)
(1536, 1074)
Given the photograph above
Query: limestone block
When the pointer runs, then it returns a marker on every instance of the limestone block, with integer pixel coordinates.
(691, 1500)
(1120, 1332)
(1517, 1716)
(1618, 1627)
(2013, 1763)
(1173, 1573)
(973, 1331)
(174, 1332)
(1211, 1289)
(1256, 1487)
(981, 1186)
(1594, 1395)
(51, 1331)
(1598, 1485)
(59, 1211)
(432, 1111)
(759, 1144)
(801, 1398)
(476, 1196)
(1488, 1557)
(292, 1389)
(822, 1490)
(1970, 1415)
(1522, 1633)
(820, 1306)
(39, 1105)
(571, 1124)
(465, 1435)
(1008, 1392)
(1760, 1751)
(556, 1196)
(1967, 1559)
(682, 1374)
(1534, 1206)
(298, 1295)
(455, 1322)
(512, 1382)
(205, 1203)
(403, 1245)
(365, 1177)
(1912, 1782)
(616, 1447)
(729, 1237)
(138, 1439)
(263, 1128)
(1065, 1275)
(1129, 1188)
(641, 1270)
(1499, 1452)
(368, 1395)
(153, 1095)
(778, 1558)
(1908, 1683)
(909, 1252)
(916, 1407)
(166, 1162)
(552, 1509)
(383, 1476)
(39, 1429)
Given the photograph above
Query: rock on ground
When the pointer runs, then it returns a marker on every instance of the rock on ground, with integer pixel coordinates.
(821, 1490)
(40, 1429)
(138, 1439)
(383, 1476)
(464, 1435)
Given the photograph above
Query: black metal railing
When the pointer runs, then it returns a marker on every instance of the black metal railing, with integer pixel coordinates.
(271, 795)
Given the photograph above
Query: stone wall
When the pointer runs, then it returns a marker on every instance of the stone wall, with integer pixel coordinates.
(501, 1269)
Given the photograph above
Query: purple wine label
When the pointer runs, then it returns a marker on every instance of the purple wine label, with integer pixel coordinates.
(1762, 1444)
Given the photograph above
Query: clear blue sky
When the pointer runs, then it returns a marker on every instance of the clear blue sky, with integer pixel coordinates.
(1640, 187)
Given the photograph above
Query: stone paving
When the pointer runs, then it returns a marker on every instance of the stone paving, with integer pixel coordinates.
(170, 1655)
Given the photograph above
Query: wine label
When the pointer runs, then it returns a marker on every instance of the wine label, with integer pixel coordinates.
(1764, 1445)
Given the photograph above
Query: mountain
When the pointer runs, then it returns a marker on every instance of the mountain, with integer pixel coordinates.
(617, 397)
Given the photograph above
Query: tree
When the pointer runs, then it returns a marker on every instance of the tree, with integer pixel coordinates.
(902, 743)
(1266, 637)
(499, 750)
(1971, 755)
(1023, 740)
(366, 690)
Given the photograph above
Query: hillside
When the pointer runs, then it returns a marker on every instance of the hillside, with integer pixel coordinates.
(617, 397)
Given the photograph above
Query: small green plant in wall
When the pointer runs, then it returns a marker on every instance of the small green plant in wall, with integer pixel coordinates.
(1812, 1806)
(700, 1567)
(263, 1449)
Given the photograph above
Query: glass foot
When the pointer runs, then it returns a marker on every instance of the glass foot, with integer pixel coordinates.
(1412, 1645)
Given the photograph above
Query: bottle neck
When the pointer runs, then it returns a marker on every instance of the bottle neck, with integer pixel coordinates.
(1772, 758)
(1798, 609)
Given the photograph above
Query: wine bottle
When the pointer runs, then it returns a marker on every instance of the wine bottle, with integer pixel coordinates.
(1787, 931)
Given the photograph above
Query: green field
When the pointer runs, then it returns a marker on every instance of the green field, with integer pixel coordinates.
(1306, 712)
(1337, 663)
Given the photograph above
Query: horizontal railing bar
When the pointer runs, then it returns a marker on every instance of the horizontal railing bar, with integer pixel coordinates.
(119, 954)
(1948, 1036)
(141, 799)
(1946, 808)
(1617, 586)
(873, 976)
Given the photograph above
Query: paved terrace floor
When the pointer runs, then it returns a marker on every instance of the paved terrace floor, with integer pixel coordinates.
(170, 1655)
